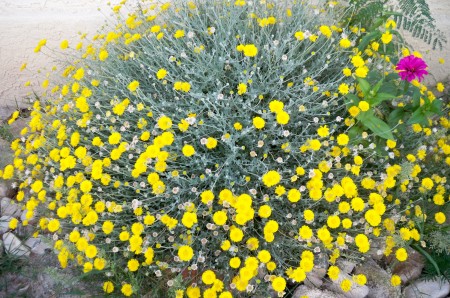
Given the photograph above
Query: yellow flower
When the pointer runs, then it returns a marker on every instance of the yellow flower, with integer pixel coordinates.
(107, 227)
(189, 219)
(346, 285)
(440, 218)
(264, 211)
(211, 143)
(114, 138)
(362, 242)
(333, 221)
(271, 178)
(250, 50)
(276, 106)
(345, 43)
(220, 218)
(235, 262)
(258, 122)
(283, 117)
(127, 290)
(299, 35)
(133, 86)
(236, 234)
(179, 34)
(279, 284)
(161, 74)
(164, 123)
(401, 254)
(386, 37)
(237, 126)
(343, 88)
(264, 256)
(242, 88)
(185, 253)
(323, 131)
(108, 287)
(305, 232)
(133, 265)
(363, 106)
(396, 280)
(53, 225)
(347, 72)
(308, 215)
(362, 72)
(343, 139)
(188, 150)
(103, 55)
(13, 223)
(208, 277)
(372, 217)
(91, 251)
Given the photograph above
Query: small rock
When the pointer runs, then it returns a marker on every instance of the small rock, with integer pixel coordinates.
(37, 246)
(378, 280)
(357, 291)
(14, 246)
(377, 248)
(4, 223)
(410, 269)
(3, 190)
(346, 266)
(314, 293)
(9, 207)
(437, 288)
(314, 278)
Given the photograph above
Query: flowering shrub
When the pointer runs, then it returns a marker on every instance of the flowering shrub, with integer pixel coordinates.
(224, 148)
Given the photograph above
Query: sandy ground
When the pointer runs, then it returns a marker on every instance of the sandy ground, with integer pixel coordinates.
(24, 22)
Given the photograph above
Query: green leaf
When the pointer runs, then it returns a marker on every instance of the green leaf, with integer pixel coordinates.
(392, 13)
(377, 23)
(377, 87)
(378, 127)
(365, 86)
(418, 117)
(351, 99)
(368, 38)
(436, 107)
(392, 76)
(380, 97)
(427, 256)
(395, 116)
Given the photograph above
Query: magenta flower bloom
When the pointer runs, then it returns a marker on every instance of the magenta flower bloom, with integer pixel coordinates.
(411, 67)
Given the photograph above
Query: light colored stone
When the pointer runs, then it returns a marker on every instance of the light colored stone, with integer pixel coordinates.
(314, 278)
(9, 207)
(3, 189)
(346, 266)
(37, 246)
(357, 291)
(410, 269)
(14, 246)
(437, 288)
(4, 223)
(378, 280)
(314, 293)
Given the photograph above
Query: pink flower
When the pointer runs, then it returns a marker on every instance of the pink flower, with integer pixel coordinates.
(411, 67)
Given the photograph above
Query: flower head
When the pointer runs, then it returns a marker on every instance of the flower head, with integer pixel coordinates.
(411, 67)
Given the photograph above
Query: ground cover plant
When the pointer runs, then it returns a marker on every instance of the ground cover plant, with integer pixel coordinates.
(224, 149)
